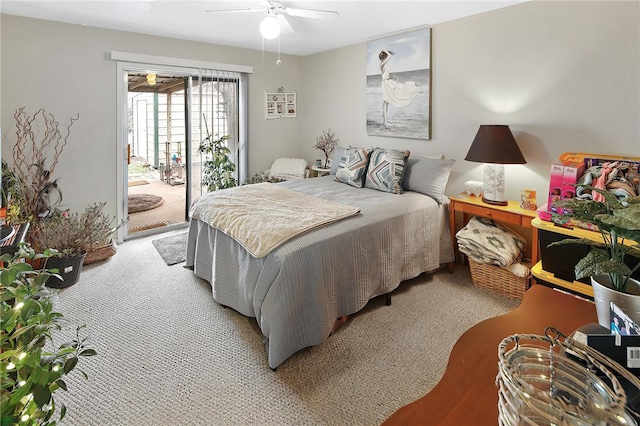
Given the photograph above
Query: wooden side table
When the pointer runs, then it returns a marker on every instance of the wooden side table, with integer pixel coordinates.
(467, 393)
(511, 214)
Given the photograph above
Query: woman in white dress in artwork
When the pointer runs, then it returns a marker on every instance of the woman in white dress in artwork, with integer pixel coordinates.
(397, 94)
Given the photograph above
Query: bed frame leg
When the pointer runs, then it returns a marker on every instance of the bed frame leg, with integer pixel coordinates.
(451, 266)
(388, 299)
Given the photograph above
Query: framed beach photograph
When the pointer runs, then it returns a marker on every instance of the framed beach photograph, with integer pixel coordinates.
(399, 85)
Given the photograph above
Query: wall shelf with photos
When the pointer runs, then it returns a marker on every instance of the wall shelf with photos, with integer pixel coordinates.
(280, 105)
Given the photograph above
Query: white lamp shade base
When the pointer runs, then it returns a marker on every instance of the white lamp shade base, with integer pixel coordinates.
(494, 185)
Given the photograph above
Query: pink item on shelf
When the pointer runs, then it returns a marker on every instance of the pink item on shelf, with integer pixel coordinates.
(572, 172)
(601, 181)
(555, 185)
(543, 213)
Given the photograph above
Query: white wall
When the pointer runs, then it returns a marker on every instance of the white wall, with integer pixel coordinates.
(563, 75)
(66, 70)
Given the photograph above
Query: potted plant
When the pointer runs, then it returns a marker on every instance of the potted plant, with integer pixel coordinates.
(71, 235)
(618, 222)
(32, 370)
(218, 169)
(326, 143)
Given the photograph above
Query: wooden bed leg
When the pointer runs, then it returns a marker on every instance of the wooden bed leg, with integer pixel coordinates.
(388, 299)
(338, 323)
(451, 266)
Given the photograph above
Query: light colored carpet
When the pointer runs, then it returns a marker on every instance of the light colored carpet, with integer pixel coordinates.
(172, 249)
(169, 355)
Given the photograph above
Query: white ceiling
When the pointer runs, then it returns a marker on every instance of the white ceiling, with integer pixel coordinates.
(360, 20)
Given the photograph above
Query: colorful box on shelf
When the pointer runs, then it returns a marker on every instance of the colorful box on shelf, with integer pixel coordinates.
(575, 166)
(555, 186)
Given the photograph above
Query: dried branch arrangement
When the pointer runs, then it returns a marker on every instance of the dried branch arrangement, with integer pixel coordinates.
(326, 143)
(32, 191)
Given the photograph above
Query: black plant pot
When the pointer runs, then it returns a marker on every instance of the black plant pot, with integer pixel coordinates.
(68, 268)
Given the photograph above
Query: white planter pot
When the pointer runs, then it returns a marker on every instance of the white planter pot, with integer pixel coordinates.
(603, 294)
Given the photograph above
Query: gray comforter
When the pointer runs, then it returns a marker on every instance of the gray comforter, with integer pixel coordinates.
(299, 289)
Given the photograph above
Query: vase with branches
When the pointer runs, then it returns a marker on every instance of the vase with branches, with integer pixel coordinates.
(29, 188)
(326, 143)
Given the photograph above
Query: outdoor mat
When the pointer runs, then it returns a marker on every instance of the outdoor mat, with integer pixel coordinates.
(142, 202)
(138, 182)
(172, 249)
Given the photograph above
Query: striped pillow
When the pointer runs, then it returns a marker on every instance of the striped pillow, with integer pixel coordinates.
(386, 170)
(353, 166)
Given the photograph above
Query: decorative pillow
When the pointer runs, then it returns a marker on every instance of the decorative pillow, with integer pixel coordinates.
(427, 176)
(353, 166)
(338, 152)
(386, 170)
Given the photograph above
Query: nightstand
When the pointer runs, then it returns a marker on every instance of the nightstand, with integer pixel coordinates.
(321, 171)
(511, 214)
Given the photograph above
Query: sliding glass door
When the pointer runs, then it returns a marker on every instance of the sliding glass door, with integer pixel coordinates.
(170, 111)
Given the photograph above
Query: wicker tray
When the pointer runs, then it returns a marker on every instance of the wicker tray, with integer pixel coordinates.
(100, 253)
(498, 280)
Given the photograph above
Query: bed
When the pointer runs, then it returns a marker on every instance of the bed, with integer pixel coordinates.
(298, 290)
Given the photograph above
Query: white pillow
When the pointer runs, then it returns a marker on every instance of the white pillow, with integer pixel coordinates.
(288, 168)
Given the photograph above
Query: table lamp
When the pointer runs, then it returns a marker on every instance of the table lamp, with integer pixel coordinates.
(494, 145)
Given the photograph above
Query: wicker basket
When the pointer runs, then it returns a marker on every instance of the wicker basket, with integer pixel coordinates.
(99, 253)
(498, 280)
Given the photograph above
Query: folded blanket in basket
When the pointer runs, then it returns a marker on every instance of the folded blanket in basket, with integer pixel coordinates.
(486, 241)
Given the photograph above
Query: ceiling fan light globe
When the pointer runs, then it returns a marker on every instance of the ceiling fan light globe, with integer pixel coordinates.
(269, 28)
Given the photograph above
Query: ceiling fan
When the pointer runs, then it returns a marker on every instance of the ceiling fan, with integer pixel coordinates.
(275, 20)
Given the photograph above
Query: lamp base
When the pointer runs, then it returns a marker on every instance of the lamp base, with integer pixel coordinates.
(494, 185)
(495, 203)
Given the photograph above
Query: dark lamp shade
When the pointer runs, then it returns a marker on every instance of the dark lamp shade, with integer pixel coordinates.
(495, 144)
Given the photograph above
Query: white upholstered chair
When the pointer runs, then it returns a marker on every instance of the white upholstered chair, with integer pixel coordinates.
(289, 168)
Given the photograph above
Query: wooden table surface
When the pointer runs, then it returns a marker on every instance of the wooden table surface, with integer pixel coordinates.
(467, 394)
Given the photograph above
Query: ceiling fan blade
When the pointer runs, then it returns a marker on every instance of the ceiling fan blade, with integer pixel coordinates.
(236, 10)
(285, 25)
(312, 13)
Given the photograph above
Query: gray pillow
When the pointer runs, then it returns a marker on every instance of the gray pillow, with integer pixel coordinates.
(428, 176)
(338, 152)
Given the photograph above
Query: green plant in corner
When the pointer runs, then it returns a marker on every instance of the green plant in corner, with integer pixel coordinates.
(31, 370)
(218, 169)
(618, 221)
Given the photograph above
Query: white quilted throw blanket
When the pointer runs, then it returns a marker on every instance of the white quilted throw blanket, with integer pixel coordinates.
(262, 216)
(486, 241)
